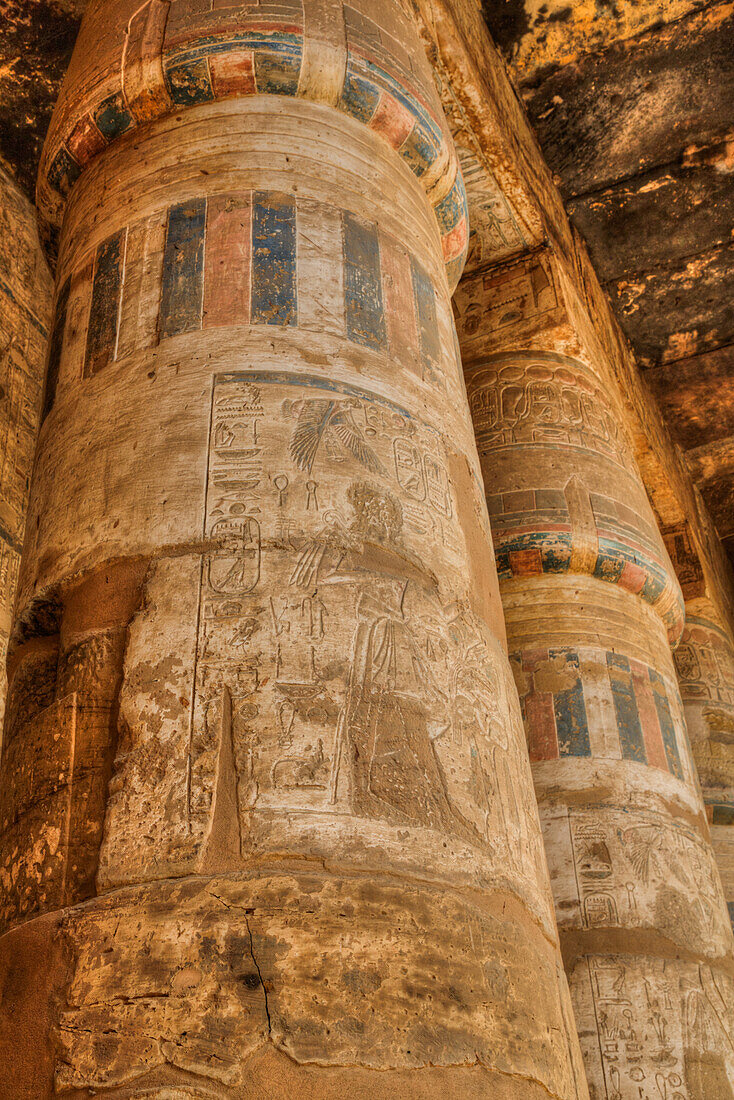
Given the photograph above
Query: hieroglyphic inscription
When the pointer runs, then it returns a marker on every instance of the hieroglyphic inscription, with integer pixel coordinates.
(664, 1028)
(646, 871)
(704, 661)
(544, 400)
(357, 684)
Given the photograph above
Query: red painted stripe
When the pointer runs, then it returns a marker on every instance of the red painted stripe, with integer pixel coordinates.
(227, 277)
(392, 120)
(397, 286)
(525, 563)
(233, 74)
(651, 732)
(531, 658)
(85, 141)
(541, 726)
(454, 242)
(632, 578)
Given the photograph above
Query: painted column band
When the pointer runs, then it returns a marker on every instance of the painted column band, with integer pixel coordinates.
(184, 53)
(242, 258)
(552, 517)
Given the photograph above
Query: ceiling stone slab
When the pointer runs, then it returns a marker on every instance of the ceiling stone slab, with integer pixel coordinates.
(35, 46)
(639, 103)
(696, 396)
(538, 36)
(678, 309)
(660, 216)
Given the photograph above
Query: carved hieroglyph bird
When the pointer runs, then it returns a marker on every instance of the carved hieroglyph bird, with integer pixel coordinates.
(319, 418)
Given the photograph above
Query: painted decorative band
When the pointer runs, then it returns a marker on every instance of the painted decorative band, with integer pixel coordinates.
(599, 704)
(265, 58)
(530, 550)
(251, 258)
(525, 401)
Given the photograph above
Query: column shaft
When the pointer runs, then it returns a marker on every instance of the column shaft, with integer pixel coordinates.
(280, 782)
(591, 605)
(704, 661)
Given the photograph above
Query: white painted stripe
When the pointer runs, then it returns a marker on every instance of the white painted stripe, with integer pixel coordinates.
(320, 268)
(603, 732)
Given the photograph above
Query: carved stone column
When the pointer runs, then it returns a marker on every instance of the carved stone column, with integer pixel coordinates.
(704, 661)
(265, 746)
(592, 605)
(26, 291)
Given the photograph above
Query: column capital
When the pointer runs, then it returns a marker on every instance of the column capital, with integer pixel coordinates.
(162, 57)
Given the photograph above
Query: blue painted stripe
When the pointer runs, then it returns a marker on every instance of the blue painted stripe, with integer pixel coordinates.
(629, 728)
(453, 208)
(572, 724)
(365, 312)
(189, 82)
(55, 348)
(654, 586)
(277, 73)
(64, 172)
(425, 308)
(312, 381)
(420, 150)
(359, 97)
(274, 275)
(183, 269)
(105, 308)
(667, 727)
(112, 117)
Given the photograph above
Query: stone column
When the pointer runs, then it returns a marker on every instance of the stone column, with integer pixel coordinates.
(265, 748)
(26, 291)
(592, 605)
(704, 661)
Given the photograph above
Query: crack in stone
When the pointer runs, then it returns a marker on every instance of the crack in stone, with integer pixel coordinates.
(252, 952)
(259, 974)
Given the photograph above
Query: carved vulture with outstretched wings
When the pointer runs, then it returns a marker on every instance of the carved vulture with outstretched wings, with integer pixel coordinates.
(319, 418)
(641, 845)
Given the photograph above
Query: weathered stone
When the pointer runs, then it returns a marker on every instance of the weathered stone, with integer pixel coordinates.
(592, 605)
(652, 96)
(704, 662)
(304, 803)
(25, 292)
